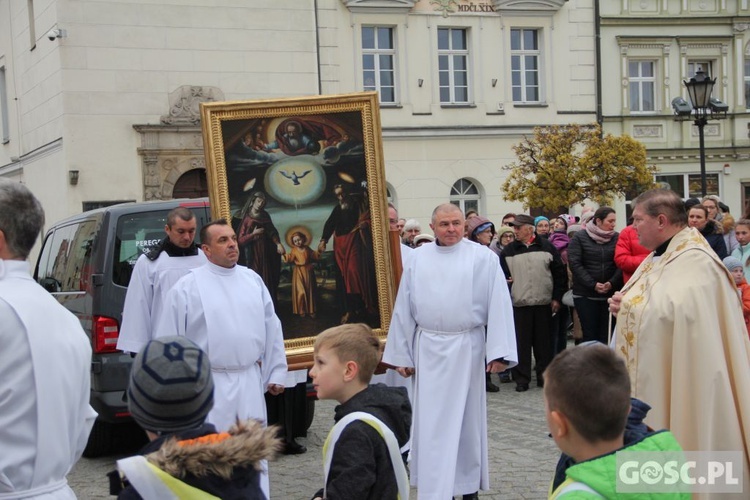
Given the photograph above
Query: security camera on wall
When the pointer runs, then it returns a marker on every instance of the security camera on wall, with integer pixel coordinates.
(55, 33)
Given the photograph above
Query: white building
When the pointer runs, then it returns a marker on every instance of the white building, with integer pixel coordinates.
(460, 83)
(109, 89)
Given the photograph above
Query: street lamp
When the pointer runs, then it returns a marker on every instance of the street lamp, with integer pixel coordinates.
(702, 108)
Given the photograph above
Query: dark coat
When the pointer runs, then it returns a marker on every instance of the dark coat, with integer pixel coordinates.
(592, 263)
(715, 237)
(221, 465)
(361, 465)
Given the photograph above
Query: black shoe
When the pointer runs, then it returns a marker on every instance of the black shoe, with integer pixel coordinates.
(473, 496)
(505, 378)
(293, 448)
(522, 387)
(488, 383)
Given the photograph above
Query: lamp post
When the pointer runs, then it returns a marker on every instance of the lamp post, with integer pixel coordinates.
(702, 108)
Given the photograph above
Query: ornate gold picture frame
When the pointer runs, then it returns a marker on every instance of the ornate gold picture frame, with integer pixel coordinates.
(302, 182)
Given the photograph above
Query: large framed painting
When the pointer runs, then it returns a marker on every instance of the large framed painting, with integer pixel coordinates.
(302, 182)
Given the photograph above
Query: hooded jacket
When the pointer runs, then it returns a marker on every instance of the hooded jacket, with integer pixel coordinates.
(560, 240)
(361, 466)
(224, 465)
(714, 236)
(599, 473)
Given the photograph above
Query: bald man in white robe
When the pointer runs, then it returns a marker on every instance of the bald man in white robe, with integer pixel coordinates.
(451, 293)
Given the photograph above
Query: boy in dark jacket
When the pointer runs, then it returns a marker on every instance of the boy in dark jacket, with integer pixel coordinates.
(170, 394)
(362, 453)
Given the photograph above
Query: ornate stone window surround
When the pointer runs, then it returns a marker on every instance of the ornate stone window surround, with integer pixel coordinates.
(656, 50)
(713, 49)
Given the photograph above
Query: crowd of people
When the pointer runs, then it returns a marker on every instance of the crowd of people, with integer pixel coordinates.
(663, 361)
(639, 295)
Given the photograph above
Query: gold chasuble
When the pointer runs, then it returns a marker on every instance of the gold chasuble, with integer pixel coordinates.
(681, 331)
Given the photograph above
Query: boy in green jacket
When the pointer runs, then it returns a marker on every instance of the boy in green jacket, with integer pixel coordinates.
(587, 401)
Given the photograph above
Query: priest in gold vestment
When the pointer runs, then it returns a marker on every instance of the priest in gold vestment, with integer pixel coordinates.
(681, 331)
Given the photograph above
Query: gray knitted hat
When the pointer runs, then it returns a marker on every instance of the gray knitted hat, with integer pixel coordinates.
(171, 388)
(732, 263)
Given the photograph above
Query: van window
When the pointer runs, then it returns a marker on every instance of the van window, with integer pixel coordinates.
(136, 234)
(65, 265)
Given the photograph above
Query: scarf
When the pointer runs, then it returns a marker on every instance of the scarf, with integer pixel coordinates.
(597, 234)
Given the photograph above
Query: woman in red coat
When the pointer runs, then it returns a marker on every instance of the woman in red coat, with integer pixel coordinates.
(629, 253)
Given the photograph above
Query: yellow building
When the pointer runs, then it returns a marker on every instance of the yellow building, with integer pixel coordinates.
(648, 48)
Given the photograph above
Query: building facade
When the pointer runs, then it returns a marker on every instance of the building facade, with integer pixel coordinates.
(460, 82)
(100, 99)
(648, 48)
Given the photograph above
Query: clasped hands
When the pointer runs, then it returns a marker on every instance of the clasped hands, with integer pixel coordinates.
(494, 366)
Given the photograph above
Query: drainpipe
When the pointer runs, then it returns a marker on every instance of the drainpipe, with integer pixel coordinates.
(598, 50)
(317, 47)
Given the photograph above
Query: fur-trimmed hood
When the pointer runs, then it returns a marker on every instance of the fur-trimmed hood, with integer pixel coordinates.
(224, 465)
(712, 227)
(244, 446)
(727, 223)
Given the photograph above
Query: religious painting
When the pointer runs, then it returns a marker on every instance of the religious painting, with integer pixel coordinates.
(302, 182)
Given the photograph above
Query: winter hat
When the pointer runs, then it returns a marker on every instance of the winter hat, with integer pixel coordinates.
(564, 222)
(503, 230)
(171, 388)
(477, 224)
(568, 219)
(690, 203)
(732, 263)
(424, 237)
(538, 219)
(586, 215)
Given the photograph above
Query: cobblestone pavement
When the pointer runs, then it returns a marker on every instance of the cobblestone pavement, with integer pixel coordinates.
(522, 456)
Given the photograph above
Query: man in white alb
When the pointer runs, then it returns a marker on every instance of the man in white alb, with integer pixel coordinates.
(451, 293)
(155, 272)
(227, 310)
(45, 365)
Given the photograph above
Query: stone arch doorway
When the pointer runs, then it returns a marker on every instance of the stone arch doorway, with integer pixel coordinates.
(191, 184)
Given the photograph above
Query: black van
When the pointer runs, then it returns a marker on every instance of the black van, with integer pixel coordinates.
(86, 262)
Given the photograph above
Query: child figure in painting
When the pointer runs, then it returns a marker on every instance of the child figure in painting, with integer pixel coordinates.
(304, 285)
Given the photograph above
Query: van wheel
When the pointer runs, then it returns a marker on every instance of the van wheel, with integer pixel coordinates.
(100, 440)
(309, 412)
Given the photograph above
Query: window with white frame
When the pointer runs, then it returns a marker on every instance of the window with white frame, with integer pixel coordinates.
(379, 62)
(453, 65)
(465, 195)
(747, 83)
(642, 83)
(524, 62)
